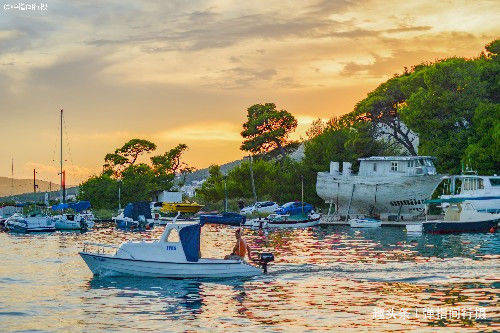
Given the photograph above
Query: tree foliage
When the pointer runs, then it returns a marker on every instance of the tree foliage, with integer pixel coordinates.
(266, 128)
(127, 155)
(137, 181)
(452, 105)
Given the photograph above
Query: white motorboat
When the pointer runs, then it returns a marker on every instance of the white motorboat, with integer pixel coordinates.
(73, 222)
(168, 257)
(279, 221)
(33, 223)
(364, 223)
(83, 219)
(461, 216)
(482, 191)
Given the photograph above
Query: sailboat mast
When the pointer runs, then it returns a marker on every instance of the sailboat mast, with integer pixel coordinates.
(12, 177)
(61, 161)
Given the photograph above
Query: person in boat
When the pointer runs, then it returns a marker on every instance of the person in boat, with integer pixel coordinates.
(240, 249)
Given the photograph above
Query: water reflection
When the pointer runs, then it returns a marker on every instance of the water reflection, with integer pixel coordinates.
(324, 278)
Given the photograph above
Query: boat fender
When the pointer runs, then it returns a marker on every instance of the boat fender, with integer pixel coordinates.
(264, 259)
(492, 230)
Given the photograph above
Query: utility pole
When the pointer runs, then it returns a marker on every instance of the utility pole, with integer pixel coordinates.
(225, 194)
(12, 177)
(34, 181)
(302, 196)
(253, 182)
(61, 160)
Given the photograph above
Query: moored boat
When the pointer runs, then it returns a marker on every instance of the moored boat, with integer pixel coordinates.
(482, 191)
(33, 223)
(183, 207)
(70, 221)
(279, 221)
(460, 217)
(135, 217)
(364, 223)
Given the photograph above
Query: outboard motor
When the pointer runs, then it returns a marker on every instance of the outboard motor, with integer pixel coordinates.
(264, 259)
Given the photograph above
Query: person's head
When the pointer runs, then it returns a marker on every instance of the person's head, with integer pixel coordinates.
(237, 233)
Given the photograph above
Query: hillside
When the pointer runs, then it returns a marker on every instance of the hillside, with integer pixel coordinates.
(23, 186)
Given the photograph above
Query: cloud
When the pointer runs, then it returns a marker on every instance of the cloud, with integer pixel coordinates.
(74, 173)
(207, 131)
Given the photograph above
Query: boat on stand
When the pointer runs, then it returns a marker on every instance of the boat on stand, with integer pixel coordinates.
(394, 187)
(175, 255)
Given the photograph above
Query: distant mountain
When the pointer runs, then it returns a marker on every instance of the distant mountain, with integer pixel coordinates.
(24, 188)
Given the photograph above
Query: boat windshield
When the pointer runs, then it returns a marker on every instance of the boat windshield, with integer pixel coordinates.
(495, 181)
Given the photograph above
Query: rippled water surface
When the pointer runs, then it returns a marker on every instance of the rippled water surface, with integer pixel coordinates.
(327, 278)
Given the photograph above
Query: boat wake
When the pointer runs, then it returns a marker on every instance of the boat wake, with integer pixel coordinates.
(440, 271)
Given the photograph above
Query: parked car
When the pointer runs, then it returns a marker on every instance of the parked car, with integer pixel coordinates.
(294, 208)
(233, 219)
(263, 207)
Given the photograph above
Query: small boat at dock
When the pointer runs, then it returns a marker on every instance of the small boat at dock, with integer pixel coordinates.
(364, 223)
(278, 221)
(135, 217)
(460, 217)
(26, 224)
(73, 221)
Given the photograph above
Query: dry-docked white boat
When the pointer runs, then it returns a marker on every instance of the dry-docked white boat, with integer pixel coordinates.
(168, 257)
(390, 185)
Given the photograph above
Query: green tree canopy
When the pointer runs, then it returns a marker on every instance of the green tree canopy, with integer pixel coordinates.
(127, 155)
(138, 181)
(266, 128)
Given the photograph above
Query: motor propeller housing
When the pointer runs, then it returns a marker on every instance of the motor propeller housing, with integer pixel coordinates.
(264, 259)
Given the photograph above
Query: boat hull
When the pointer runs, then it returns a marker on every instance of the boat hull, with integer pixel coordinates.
(29, 224)
(260, 224)
(103, 265)
(445, 227)
(133, 225)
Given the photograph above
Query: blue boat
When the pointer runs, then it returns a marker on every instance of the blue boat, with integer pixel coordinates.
(136, 217)
(445, 227)
(233, 219)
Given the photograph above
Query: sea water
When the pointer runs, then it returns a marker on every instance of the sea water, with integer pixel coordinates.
(324, 278)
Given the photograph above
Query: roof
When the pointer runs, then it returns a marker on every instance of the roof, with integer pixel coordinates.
(394, 158)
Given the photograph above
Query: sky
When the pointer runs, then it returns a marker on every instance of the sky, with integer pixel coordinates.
(185, 71)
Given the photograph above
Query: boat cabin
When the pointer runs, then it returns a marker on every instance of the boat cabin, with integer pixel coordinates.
(180, 242)
(376, 166)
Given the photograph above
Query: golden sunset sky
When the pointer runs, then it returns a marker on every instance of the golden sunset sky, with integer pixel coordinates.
(185, 71)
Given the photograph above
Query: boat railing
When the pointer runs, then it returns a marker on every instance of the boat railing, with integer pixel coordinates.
(100, 248)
